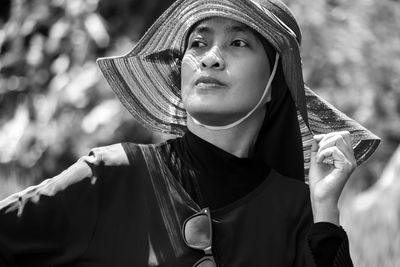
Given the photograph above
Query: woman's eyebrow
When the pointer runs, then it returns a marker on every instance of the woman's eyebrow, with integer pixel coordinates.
(202, 29)
(237, 28)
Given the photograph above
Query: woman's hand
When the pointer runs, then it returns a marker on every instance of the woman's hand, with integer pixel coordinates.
(332, 162)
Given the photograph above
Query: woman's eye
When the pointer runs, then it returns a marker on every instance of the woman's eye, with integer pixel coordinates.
(197, 43)
(239, 43)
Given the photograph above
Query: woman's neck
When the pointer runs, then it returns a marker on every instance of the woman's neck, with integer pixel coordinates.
(239, 140)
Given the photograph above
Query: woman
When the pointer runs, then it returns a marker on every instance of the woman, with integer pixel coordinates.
(225, 76)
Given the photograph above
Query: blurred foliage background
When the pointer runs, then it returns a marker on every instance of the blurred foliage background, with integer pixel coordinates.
(55, 106)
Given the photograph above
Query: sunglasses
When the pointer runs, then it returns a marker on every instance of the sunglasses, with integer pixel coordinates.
(197, 234)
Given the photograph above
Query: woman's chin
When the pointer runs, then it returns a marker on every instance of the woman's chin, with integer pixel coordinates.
(214, 119)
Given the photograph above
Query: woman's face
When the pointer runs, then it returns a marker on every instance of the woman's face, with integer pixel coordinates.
(225, 71)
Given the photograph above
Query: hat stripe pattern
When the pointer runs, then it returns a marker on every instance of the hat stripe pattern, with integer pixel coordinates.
(325, 118)
(307, 140)
(147, 79)
(144, 111)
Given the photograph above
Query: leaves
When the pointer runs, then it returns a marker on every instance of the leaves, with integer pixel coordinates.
(54, 104)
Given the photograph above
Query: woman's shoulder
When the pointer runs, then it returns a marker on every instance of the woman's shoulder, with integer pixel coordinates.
(122, 154)
(135, 151)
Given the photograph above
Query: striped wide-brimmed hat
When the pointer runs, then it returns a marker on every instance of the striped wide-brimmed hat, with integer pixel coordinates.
(147, 79)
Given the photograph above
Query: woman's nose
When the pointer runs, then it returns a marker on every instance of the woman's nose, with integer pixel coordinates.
(213, 59)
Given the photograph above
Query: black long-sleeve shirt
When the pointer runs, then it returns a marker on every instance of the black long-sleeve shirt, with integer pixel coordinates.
(222, 178)
(132, 216)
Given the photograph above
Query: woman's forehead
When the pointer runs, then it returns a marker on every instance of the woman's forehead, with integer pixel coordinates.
(209, 25)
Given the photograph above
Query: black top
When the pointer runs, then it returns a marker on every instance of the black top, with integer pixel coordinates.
(222, 178)
(132, 215)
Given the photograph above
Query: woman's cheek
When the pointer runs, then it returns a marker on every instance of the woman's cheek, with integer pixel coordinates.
(190, 65)
(190, 62)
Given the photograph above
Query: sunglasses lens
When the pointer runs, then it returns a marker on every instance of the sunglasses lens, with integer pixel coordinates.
(198, 232)
(205, 262)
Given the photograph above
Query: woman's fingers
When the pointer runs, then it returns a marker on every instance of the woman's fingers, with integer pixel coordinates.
(335, 148)
(339, 158)
(330, 152)
(345, 134)
(322, 139)
(341, 140)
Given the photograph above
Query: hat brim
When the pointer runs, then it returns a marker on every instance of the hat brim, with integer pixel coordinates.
(147, 79)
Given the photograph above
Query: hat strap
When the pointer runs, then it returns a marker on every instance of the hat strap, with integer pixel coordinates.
(260, 102)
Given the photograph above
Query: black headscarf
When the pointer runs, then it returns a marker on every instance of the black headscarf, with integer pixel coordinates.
(279, 141)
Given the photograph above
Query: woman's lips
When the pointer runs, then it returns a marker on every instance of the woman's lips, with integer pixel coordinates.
(209, 82)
